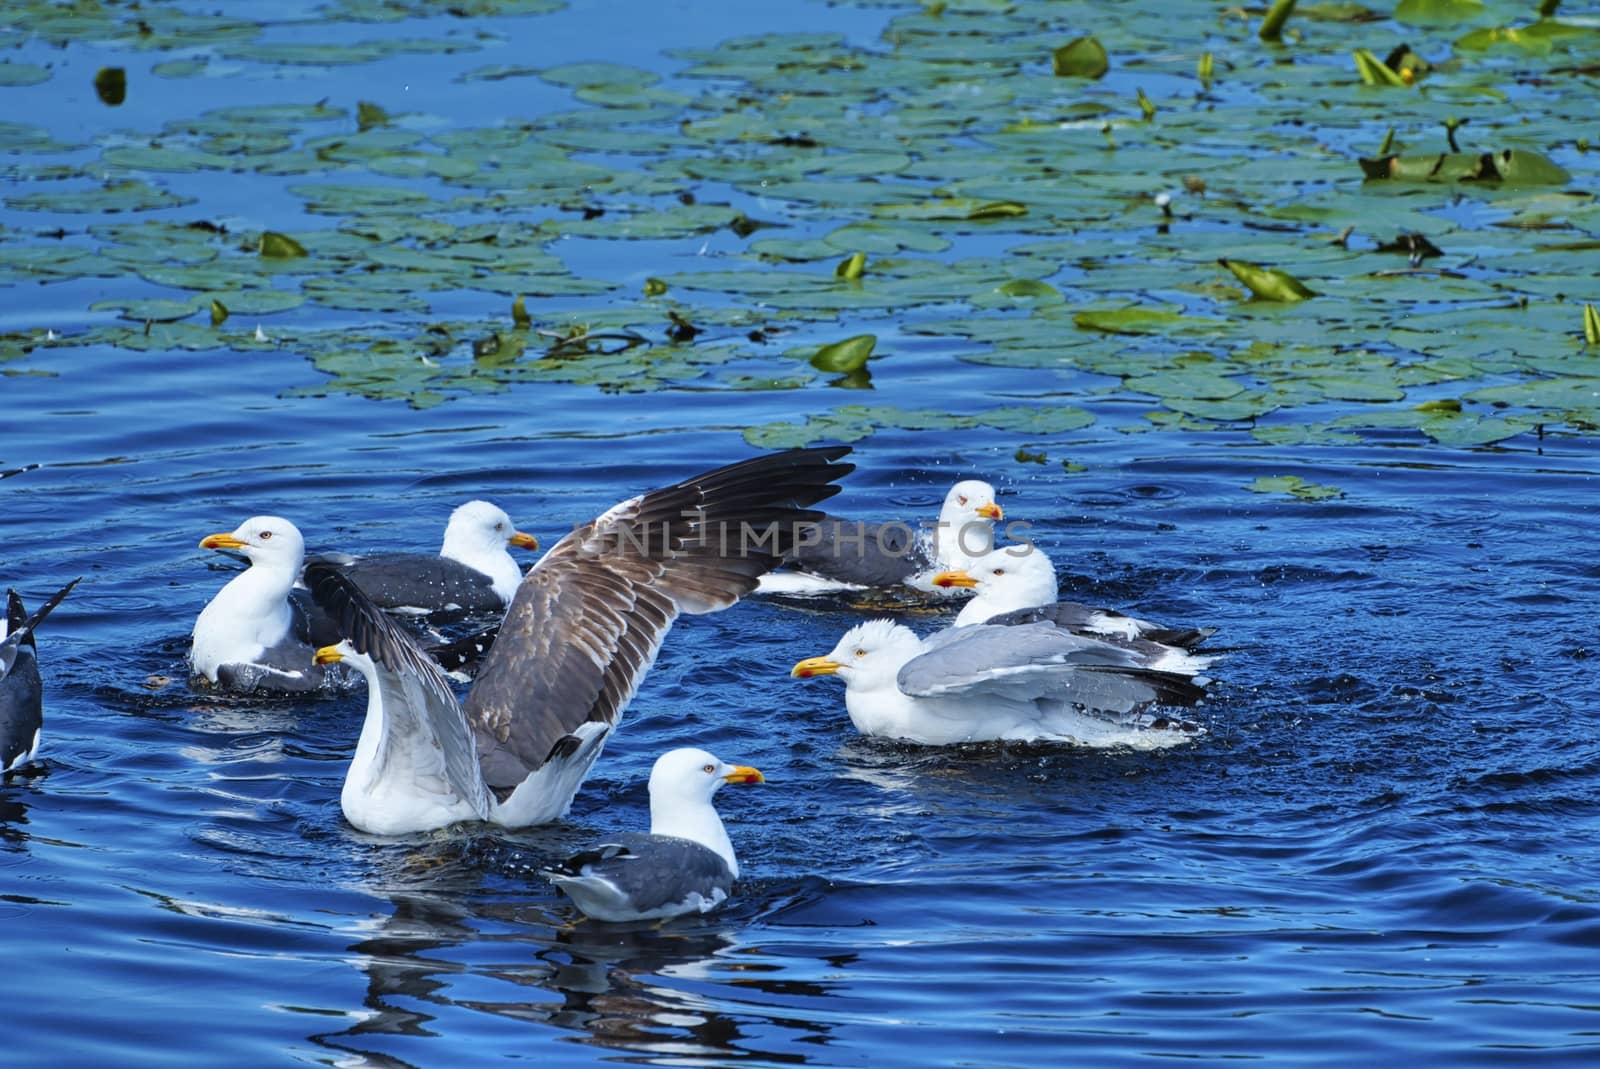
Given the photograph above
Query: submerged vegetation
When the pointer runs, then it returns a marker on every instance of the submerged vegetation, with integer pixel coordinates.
(1212, 211)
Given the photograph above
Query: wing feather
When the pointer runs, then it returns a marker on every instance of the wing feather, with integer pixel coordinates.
(589, 618)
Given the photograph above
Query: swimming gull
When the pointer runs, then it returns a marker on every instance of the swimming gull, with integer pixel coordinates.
(21, 690)
(685, 865)
(252, 636)
(1021, 682)
(580, 634)
(473, 572)
(847, 555)
(1017, 585)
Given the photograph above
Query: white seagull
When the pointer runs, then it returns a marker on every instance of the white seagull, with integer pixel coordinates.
(1028, 681)
(845, 555)
(577, 640)
(1017, 585)
(685, 865)
(252, 636)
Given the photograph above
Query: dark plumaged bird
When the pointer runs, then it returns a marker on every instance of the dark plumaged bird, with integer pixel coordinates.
(685, 865)
(581, 633)
(473, 572)
(849, 555)
(21, 690)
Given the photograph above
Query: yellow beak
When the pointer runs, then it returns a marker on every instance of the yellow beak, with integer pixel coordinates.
(815, 666)
(745, 774)
(954, 578)
(524, 541)
(328, 655)
(225, 540)
(991, 511)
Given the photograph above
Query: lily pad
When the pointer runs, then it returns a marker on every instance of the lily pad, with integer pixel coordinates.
(1268, 283)
(1295, 486)
(1083, 57)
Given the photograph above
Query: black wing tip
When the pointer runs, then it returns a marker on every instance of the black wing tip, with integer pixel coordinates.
(574, 865)
(17, 618)
(360, 621)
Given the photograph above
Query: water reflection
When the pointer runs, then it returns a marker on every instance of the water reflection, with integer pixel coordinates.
(690, 988)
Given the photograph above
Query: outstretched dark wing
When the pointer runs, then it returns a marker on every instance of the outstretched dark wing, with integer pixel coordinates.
(588, 619)
(20, 626)
(372, 632)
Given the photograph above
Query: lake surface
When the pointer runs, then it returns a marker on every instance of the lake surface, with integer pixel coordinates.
(1385, 845)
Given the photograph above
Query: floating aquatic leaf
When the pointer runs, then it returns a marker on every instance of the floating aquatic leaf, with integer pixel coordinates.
(111, 86)
(1511, 166)
(122, 195)
(152, 310)
(851, 267)
(369, 115)
(1591, 325)
(1376, 72)
(22, 74)
(843, 356)
(953, 208)
(1204, 69)
(1295, 486)
(519, 314)
(1185, 384)
(1137, 320)
(274, 245)
(1083, 57)
(1438, 12)
(1145, 106)
(219, 313)
(654, 287)
(1277, 15)
(1539, 38)
(1268, 283)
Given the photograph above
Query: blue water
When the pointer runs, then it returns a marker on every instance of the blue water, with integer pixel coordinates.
(1385, 848)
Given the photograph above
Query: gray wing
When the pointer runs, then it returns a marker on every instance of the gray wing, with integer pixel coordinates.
(652, 870)
(416, 692)
(1041, 662)
(1088, 619)
(288, 666)
(588, 619)
(422, 582)
(863, 554)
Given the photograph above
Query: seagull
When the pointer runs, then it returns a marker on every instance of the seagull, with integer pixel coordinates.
(21, 690)
(252, 636)
(1017, 585)
(473, 572)
(1032, 681)
(580, 634)
(848, 555)
(685, 865)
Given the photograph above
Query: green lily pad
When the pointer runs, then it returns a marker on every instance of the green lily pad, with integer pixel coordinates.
(1083, 57)
(1295, 486)
(1267, 283)
(844, 356)
(12, 73)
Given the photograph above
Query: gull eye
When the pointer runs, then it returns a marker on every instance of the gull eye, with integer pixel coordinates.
(861, 653)
(708, 769)
(265, 536)
(999, 571)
